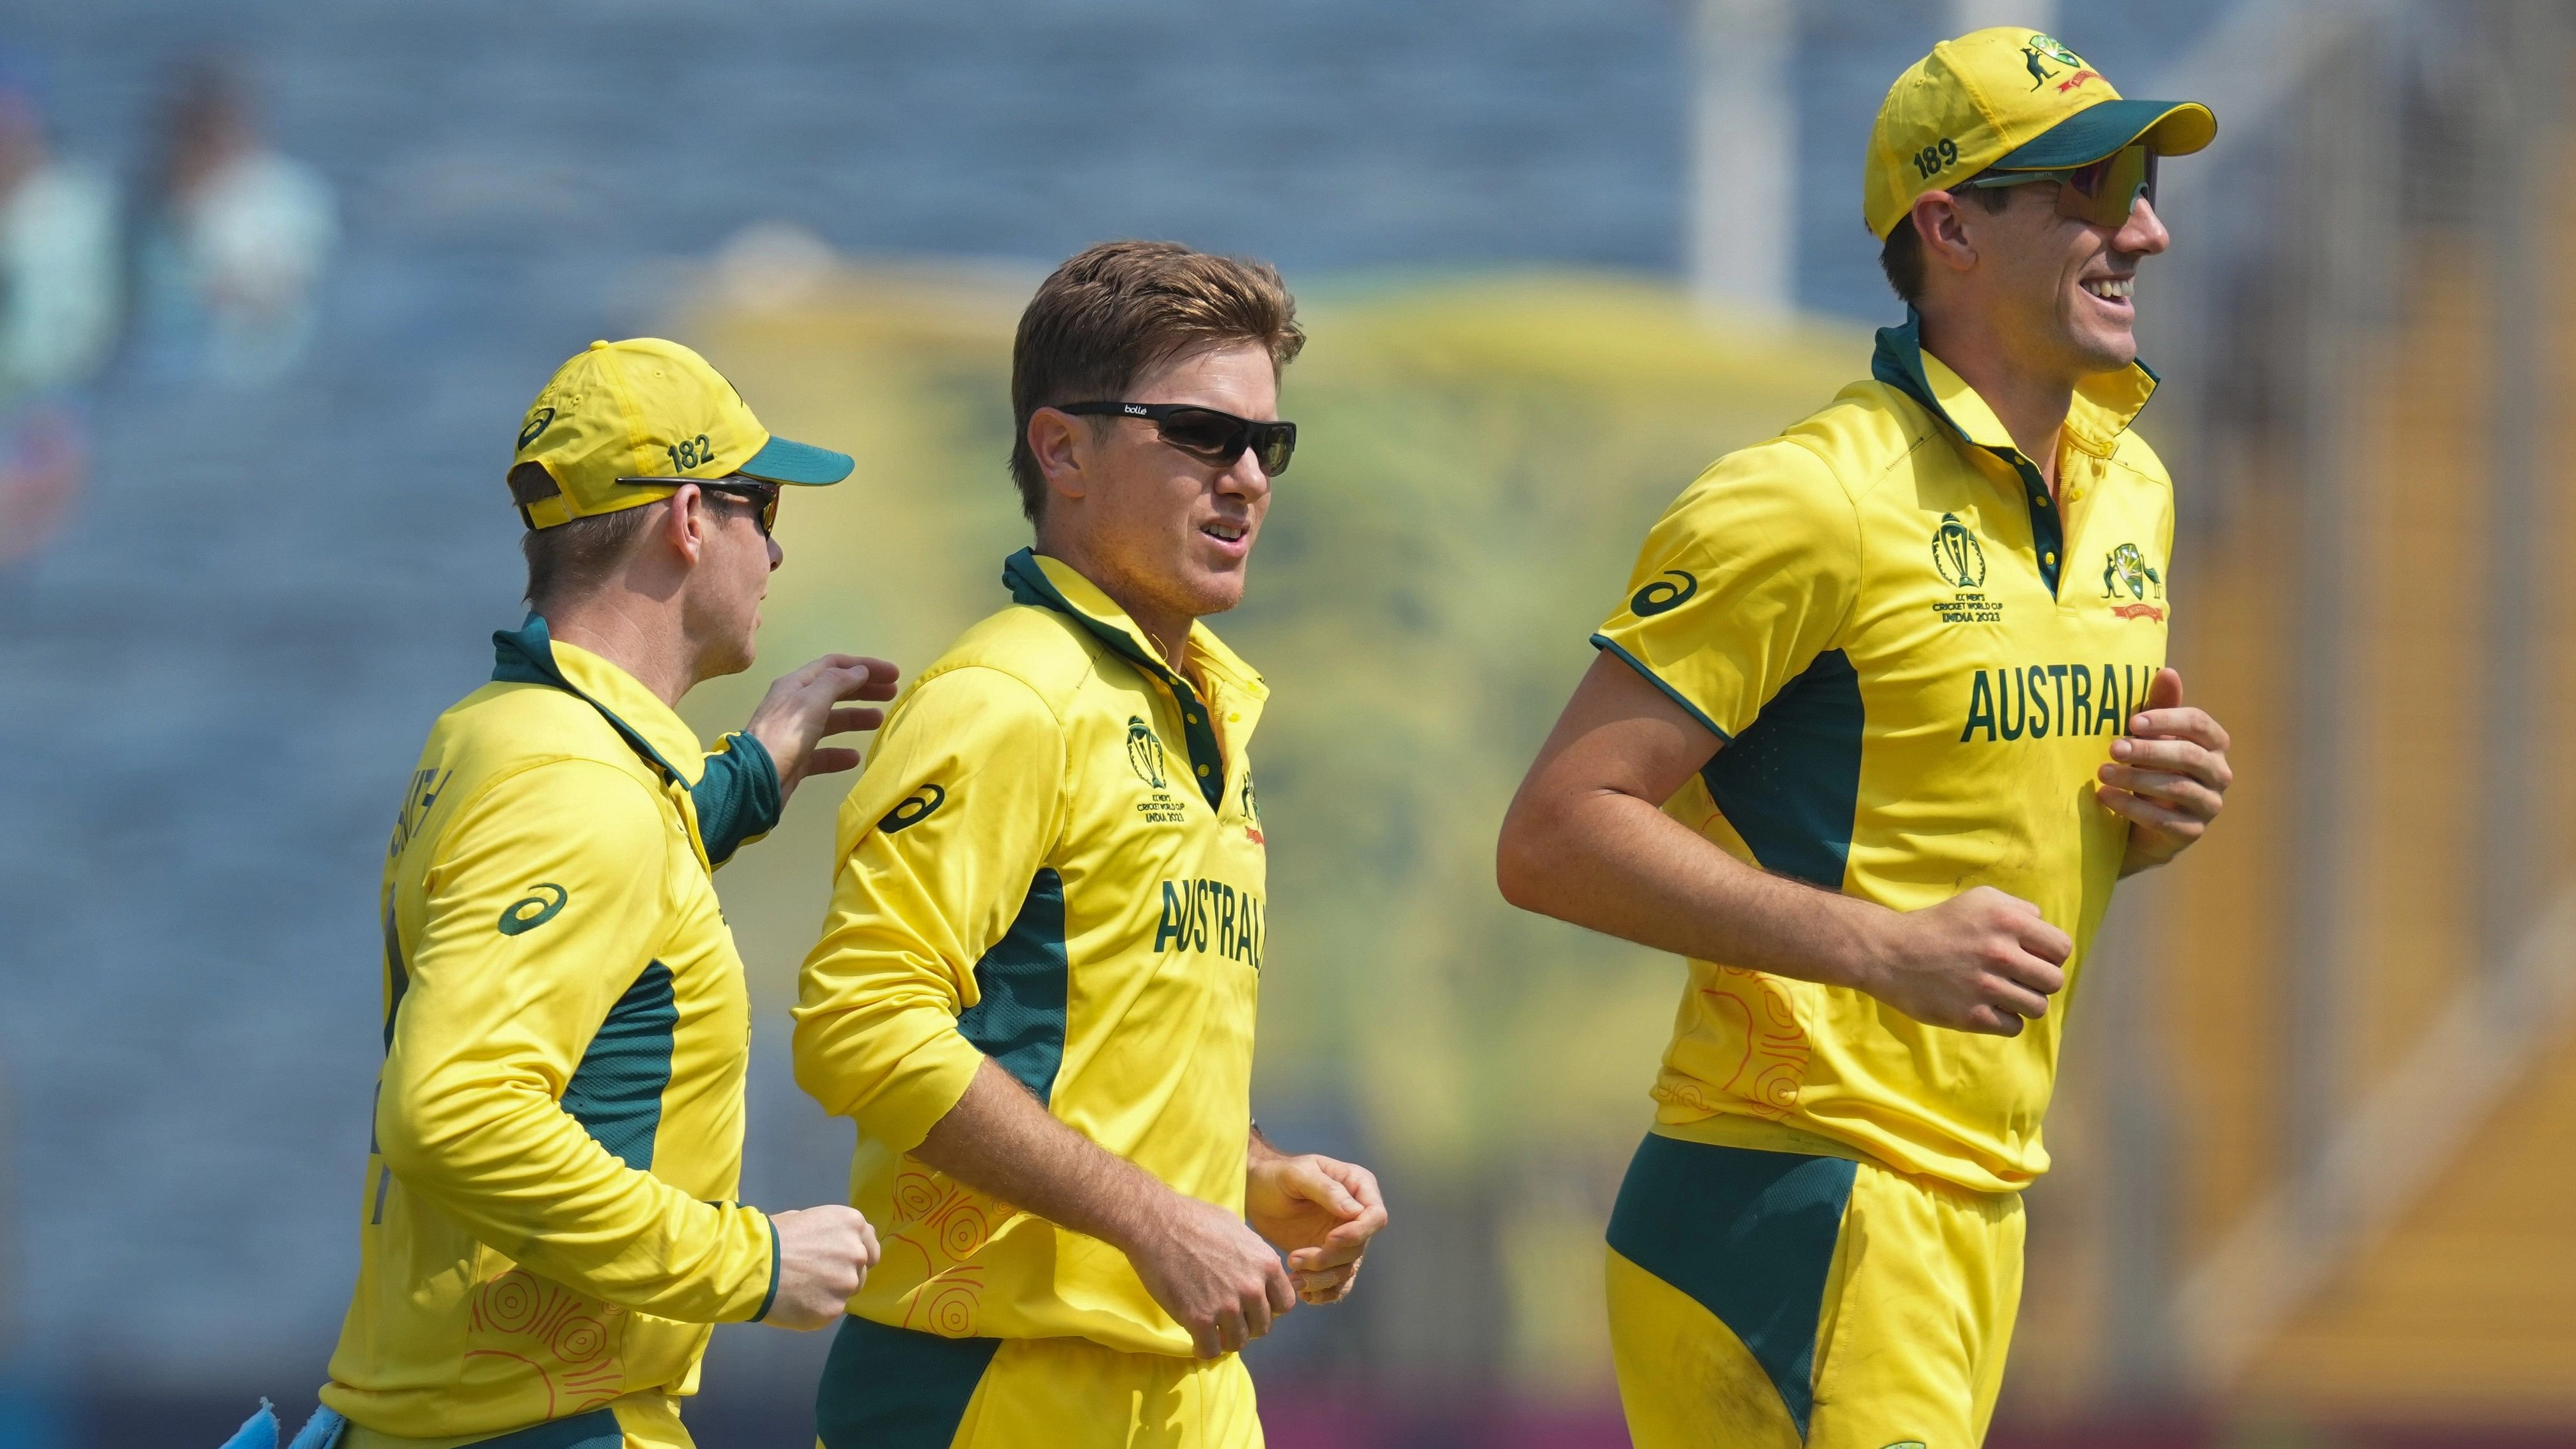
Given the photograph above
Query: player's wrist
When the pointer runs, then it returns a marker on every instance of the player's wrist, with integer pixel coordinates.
(1141, 1215)
(1865, 951)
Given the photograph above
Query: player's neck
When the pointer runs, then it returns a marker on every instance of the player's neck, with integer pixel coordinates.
(637, 633)
(1166, 630)
(2031, 403)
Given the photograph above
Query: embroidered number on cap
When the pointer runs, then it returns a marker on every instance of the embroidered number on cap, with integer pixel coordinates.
(1933, 160)
(690, 453)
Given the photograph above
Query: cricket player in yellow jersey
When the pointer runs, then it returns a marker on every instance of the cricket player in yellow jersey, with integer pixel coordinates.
(548, 1227)
(1883, 717)
(1036, 982)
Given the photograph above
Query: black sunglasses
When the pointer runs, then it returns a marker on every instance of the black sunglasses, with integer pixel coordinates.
(763, 496)
(1205, 432)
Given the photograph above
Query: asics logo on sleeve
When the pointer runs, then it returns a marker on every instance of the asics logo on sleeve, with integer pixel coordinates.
(533, 909)
(916, 808)
(1662, 597)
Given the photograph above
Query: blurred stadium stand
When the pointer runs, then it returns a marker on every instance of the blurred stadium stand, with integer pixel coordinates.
(2309, 1146)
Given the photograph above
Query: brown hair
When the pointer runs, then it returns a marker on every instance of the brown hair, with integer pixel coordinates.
(1121, 309)
(1901, 256)
(578, 554)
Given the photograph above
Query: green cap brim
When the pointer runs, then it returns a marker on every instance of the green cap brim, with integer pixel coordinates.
(780, 461)
(2180, 127)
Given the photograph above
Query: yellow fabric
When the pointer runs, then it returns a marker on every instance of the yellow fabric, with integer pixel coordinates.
(646, 1421)
(1981, 97)
(1049, 739)
(1918, 1317)
(641, 408)
(1900, 538)
(1069, 1393)
(511, 1269)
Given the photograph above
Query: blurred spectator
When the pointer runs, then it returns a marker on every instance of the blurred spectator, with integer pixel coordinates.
(58, 314)
(236, 240)
(58, 283)
(44, 457)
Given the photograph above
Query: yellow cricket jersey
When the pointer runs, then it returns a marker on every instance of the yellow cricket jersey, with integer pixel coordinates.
(1917, 666)
(1052, 859)
(547, 1223)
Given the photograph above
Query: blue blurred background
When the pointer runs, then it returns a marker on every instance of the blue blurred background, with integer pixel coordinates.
(282, 277)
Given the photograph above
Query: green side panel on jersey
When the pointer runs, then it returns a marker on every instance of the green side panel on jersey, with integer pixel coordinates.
(892, 1388)
(1790, 784)
(1022, 987)
(616, 1092)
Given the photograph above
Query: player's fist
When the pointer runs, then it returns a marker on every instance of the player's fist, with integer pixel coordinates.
(1321, 1212)
(1979, 961)
(1212, 1273)
(824, 1254)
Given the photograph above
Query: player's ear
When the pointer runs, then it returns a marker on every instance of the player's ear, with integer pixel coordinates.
(686, 522)
(1063, 446)
(1941, 224)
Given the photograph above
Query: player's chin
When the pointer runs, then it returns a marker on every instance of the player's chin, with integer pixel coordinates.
(2105, 344)
(1214, 585)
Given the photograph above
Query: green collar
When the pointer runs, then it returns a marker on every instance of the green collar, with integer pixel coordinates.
(528, 656)
(2104, 406)
(1050, 584)
(1053, 584)
(2102, 410)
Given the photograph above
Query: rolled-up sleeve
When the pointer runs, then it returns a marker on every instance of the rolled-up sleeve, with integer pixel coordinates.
(958, 809)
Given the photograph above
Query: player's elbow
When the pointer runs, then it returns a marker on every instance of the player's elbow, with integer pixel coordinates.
(1524, 854)
(430, 1133)
(410, 1145)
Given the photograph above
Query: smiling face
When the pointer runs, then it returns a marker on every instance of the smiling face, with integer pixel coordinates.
(2059, 289)
(1165, 532)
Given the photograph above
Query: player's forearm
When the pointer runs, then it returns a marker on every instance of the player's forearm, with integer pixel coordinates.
(1619, 865)
(510, 1167)
(998, 1139)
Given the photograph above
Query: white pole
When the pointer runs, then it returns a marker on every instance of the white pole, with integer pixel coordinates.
(1743, 211)
(2039, 15)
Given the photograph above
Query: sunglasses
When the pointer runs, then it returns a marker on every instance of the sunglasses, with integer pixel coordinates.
(763, 496)
(1204, 432)
(2102, 193)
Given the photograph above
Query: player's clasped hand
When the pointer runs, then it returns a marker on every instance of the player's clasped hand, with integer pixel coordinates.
(2169, 776)
(802, 708)
(1213, 1274)
(1979, 961)
(824, 1254)
(1321, 1212)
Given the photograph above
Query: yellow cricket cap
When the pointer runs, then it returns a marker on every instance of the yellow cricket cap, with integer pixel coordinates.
(2011, 99)
(645, 408)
